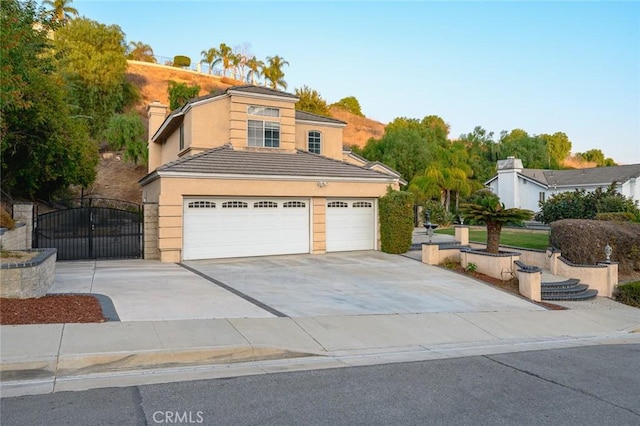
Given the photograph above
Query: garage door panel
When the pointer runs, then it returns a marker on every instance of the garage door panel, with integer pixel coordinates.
(350, 225)
(246, 227)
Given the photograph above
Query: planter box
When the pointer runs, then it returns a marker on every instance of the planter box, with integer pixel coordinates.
(495, 265)
(23, 280)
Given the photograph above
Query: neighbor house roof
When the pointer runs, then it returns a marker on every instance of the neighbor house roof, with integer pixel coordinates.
(226, 161)
(602, 176)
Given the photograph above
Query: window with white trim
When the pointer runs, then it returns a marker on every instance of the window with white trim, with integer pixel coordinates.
(202, 205)
(263, 111)
(541, 197)
(338, 204)
(314, 140)
(265, 205)
(361, 204)
(263, 134)
(234, 205)
(293, 204)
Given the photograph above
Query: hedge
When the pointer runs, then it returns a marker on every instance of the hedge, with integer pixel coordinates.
(582, 241)
(629, 294)
(396, 221)
(181, 61)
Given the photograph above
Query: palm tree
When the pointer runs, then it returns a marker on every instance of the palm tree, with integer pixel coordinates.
(139, 51)
(236, 63)
(485, 207)
(255, 67)
(274, 73)
(210, 56)
(61, 10)
(225, 54)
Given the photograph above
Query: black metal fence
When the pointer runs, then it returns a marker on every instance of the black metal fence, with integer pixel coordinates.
(92, 228)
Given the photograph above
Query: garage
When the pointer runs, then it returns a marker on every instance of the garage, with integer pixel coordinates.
(350, 224)
(217, 228)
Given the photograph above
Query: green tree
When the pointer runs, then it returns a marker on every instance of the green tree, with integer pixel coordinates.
(210, 56)
(93, 66)
(61, 10)
(126, 132)
(351, 104)
(43, 148)
(437, 125)
(482, 152)
(596, 156)
(139, 51)
(273, 74)
(532, 150)
(311, 101)
(558, 146)
(484, 207)
(180, 94)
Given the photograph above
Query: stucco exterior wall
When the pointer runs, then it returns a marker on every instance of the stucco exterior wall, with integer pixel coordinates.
(208, 125)
(238, 117)
(330, 142)
(173, 190)
(171, 147)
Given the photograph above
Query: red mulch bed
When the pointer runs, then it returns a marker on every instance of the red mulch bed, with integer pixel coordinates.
(509, 285)
(52, 309)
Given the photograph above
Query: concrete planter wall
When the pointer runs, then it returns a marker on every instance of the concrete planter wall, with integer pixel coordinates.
(494, 265)
(23, 280)
(14, 239)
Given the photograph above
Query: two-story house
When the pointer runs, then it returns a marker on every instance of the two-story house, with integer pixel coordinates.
(242, 173)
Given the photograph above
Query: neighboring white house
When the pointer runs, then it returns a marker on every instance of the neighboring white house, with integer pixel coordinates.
(525, 188)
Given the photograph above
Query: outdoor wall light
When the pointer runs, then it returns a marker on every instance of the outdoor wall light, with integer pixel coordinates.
(322, 183)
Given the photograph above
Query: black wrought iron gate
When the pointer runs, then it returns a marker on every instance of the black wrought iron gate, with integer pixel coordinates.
(92, 228)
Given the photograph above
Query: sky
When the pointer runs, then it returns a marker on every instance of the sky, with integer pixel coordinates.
(543, 67)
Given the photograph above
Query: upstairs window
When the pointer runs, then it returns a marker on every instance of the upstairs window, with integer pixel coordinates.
(314, 141)
(263, 133)
(181, 137)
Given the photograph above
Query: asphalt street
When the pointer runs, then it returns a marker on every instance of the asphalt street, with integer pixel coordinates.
(583, 386)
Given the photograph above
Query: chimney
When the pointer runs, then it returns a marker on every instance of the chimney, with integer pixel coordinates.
(508, 187)
(156, 112)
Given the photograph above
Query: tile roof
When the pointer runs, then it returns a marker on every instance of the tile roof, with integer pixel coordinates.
(592, 176)
(307, 116)
(227, 161)
(249, 88)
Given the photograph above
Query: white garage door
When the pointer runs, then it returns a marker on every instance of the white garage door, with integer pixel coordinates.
(237, 227)
(350, 224)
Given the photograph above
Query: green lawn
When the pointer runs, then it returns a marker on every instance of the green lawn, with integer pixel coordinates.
(524, 238)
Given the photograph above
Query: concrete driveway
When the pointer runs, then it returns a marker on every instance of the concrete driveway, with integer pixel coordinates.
(355, 283)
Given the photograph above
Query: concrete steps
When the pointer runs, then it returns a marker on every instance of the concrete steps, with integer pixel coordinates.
(569, 289)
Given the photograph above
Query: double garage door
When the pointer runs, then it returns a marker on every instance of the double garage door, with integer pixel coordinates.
(239, 227)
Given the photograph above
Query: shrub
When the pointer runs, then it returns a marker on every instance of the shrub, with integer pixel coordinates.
(396, 221)
(583, 241)
(181, 61)
(6, 221)
(351, 104)
(439, 215)
(616, 217)
(180, 94)
(581, 204)
(629, 294)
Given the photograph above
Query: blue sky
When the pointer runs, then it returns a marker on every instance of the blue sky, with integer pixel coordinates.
(539, 66)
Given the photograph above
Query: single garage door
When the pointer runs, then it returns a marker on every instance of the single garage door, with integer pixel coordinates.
(238, 227)
(350, 224)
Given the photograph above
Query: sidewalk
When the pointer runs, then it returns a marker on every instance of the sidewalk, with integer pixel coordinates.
(58, 357)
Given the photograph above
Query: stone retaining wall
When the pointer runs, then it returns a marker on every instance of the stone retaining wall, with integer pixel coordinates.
(22, 280)
(14, 239)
